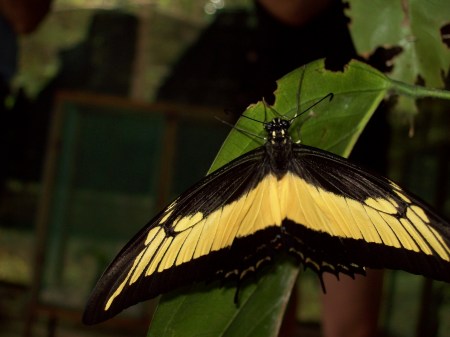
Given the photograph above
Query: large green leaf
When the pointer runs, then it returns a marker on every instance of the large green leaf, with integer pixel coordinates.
(414, 26)
(209, 310)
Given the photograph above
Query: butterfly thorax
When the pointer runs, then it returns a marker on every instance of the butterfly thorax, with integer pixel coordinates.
(278, 145)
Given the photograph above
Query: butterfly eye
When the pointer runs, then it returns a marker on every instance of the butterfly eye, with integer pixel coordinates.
(285, 123)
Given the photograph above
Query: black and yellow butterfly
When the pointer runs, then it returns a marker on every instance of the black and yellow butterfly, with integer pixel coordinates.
(283, 196)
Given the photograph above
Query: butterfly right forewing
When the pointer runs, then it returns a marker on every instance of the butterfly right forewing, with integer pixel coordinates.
(350, 218)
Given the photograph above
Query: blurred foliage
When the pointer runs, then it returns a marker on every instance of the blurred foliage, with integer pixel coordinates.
(407, 31)
(174, 24)
(412, 26)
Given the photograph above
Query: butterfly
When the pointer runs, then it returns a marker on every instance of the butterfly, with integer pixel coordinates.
(330, 214)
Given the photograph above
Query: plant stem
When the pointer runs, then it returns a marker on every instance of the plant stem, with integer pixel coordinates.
(418, 91)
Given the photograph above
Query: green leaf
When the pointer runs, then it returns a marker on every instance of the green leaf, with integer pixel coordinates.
(414, 26)
(209, 310)
(357, 92)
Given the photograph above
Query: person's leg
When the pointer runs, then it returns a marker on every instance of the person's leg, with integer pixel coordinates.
(351, 306)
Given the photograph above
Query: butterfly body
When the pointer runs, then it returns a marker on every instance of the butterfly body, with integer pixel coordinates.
(329, 213)
(278, 146)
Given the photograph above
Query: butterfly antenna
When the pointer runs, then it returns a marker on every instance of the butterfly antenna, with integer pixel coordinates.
(243, 131)
(267, 106)
(329, 96)
(300, 84)
(253, 119)
(298, 113)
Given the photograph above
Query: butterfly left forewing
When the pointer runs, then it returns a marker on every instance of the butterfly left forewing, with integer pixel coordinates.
(224, 226)
(347, 219)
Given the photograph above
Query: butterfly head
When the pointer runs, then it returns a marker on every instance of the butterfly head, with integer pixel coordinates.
(278, 130)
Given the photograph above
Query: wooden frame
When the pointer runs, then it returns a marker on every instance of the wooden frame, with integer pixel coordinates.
(172, 115)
